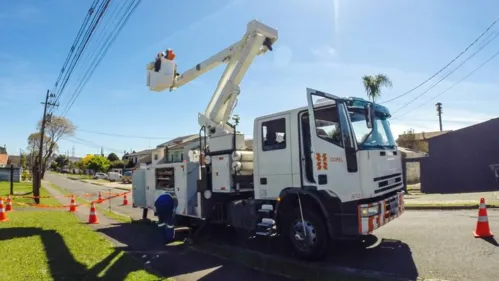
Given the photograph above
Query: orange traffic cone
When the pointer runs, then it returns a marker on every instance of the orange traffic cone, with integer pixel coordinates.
(99, 200)
(125, 200)
(93, 217)
(8, 207)
(3, 214)
(72, 205)
(482, 225)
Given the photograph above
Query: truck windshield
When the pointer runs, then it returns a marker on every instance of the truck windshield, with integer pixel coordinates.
(379, 136)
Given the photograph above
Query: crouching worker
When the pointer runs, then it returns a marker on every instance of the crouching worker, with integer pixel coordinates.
(165, 210)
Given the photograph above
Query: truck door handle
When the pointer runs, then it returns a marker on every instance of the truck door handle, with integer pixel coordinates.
(263, 181)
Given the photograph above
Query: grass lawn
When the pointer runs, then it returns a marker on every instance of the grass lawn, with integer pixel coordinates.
(53, 245)
(25, 188)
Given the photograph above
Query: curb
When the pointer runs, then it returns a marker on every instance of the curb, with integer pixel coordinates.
(99, 184)
(274, 265)
(451, 207)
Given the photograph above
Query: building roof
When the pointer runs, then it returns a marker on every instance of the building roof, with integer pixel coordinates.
(3, 150)
(428, 135)
(486, 123)
(14, 160)
(140, 153)
(178, 140)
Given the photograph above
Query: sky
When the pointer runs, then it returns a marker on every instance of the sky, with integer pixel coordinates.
(323, 44)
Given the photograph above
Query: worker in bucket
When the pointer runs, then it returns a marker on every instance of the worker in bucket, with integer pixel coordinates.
(165, 210)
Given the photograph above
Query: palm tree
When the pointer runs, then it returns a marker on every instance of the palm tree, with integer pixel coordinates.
(373, 85)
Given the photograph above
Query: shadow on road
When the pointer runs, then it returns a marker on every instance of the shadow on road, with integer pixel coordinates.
(390, 257)
(145, 242)
(62, 263)
(491, 240)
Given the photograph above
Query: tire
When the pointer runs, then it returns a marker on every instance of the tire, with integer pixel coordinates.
(316, 230)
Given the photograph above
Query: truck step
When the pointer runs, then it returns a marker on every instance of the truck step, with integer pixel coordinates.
(265, 233)
(266, 207)
(265, 225)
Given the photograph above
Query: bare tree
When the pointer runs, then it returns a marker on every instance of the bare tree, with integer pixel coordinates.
(57, 128)
(34, 147)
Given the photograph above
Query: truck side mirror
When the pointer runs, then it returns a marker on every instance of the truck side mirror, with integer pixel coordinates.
(369, 115)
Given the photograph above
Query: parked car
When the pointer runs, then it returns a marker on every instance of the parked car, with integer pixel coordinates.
(113, 176)
(127, 177)
(100, 176)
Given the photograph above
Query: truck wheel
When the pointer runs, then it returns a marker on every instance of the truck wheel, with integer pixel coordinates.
(308, 239)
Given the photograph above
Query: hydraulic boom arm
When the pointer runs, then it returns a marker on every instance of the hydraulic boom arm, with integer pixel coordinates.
(238, 57)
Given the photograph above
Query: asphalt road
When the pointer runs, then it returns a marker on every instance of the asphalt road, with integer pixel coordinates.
(78, 187)
(426, 244)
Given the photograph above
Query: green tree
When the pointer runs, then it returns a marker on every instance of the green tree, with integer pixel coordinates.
(61, 161)
(118, 164)
(112, 157)
(374, 84)
(98, 164)
(23, 161)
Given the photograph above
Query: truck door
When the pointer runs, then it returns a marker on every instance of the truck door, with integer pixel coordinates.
(332, 146)
(274, 171)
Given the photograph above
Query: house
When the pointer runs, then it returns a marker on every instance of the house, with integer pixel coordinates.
(4, 157)
(462, 160)
(173, 150)
(420, 140)
(14, 160)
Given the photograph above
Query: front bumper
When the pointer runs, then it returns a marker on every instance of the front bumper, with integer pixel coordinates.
(374, 215)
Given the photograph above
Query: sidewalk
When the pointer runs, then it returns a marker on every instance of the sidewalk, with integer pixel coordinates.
(177, 261)
(117, 185)
(417, 200)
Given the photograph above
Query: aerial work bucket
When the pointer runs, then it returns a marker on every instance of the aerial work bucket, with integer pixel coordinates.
(164, 78)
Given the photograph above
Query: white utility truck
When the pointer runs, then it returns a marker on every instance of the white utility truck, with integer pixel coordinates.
(330, 170)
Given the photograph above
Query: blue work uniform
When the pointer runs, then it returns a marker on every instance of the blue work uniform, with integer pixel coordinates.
(165, 210)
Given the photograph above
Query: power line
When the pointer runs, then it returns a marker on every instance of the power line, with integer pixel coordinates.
(449, 73)
(130, 9)
(91, 144)
(447, 65)
(101, 10)
(85, 72)
(455, 84)
(78, 36)
(125, 136)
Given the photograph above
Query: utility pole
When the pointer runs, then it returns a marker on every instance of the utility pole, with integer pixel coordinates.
(439, 113)
(73, 152)
(38, 173)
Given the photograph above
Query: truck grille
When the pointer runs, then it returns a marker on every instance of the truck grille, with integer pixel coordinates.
(388, 182)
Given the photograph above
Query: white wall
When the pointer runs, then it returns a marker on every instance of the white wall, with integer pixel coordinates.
(157, 155)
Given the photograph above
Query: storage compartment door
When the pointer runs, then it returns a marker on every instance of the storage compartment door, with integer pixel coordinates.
(139, 188)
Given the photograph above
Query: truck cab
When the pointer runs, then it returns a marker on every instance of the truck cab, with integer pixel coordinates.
(336, 153)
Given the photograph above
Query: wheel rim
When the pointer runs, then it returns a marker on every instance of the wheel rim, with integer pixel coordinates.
(304, 241)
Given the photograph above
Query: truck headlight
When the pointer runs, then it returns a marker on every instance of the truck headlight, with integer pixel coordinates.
(369, 211)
